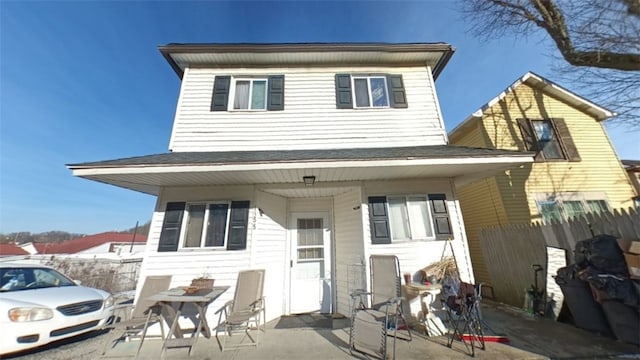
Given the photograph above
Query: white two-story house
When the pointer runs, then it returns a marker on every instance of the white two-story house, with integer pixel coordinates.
(304, 160)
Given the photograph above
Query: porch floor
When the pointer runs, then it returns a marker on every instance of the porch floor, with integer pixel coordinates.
(317, 337)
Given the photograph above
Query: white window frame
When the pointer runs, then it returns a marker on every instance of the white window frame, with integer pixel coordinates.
(185, 225)
(406, 208)
(562, 197)
(368, 78)
(251, 80)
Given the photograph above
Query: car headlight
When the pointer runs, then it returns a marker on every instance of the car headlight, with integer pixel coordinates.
(108, 302)
(23, 314)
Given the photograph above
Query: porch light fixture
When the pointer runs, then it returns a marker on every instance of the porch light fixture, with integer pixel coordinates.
(309, 180)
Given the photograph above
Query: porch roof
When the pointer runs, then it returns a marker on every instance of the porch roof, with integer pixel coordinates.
(149, 173)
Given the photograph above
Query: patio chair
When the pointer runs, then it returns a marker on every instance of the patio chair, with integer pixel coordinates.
(378, 314)
(144, 314)
(245, 312)
(464, 317)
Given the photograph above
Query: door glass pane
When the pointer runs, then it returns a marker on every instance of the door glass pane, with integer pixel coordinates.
(379, 92)
(398, 219)
(216, 225)
(194, 225)
(362, 92)
(310, 232)
(419, 218)
(573, 209)
(549, 211)
(258, 94)
(241, 100)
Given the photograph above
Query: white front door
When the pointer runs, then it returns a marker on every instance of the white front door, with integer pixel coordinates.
(310, 289)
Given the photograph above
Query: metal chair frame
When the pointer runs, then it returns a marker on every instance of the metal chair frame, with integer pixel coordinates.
(466, 306)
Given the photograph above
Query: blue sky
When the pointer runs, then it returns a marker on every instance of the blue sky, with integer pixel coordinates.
(83, 81)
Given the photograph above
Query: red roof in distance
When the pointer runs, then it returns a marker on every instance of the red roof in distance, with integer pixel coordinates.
(87, 242)
(11, 249)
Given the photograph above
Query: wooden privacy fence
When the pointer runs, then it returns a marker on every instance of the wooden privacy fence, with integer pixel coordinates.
(510, 251)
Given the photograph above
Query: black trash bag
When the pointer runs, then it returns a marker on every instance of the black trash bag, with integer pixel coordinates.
(601, 252)
(566, 274)
(609, 286)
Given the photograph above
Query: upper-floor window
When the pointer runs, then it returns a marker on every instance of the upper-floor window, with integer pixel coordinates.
(248, 93)
(566, 206)
(370, 91)
(405, 218)
(549, 138)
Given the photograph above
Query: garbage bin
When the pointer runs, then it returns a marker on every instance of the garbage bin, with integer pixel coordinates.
(586, 312)
(624, 320)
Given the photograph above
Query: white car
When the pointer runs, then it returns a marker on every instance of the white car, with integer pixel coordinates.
(39, 305)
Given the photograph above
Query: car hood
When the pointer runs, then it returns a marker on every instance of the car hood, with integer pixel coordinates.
(55, 296)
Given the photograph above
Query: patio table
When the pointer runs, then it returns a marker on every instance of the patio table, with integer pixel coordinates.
(173, 301)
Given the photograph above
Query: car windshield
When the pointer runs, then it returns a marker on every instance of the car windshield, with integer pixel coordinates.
(25, 278)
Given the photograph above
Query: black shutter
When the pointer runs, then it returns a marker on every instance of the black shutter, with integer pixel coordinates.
(220, 97)
(440, 216)
(380, 233)
(275, 99)
(238, 224)
(529, 138)
(397, 95)
(344, 100)
(170, 235)
(565, 140)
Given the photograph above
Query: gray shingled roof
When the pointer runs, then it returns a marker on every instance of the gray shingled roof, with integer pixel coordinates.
(279, 156)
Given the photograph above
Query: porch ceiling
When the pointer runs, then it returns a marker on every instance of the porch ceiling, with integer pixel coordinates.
(148, 174)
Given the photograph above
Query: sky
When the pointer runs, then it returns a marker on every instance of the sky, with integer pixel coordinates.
(83, 81)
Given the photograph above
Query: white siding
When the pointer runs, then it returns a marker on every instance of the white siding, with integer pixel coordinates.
(349, 248)
(310, 119)
(270, 249)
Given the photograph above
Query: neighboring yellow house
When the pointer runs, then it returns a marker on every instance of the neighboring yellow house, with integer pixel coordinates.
(576, 170)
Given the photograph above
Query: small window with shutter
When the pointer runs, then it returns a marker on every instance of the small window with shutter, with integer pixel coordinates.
(549, 138)
(363, 91)
(409, 218)
(205, 225)
(248, 93)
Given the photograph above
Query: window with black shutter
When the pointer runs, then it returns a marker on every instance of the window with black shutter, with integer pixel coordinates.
(248, 93)
(370, 91)
(205, 225)
(409, 218)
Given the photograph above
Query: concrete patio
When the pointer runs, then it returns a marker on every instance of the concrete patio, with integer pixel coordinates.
(301, 338)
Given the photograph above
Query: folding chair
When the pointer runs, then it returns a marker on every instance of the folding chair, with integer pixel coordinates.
(371, 324)
(463, 313)
(245, 311)
(143, 314)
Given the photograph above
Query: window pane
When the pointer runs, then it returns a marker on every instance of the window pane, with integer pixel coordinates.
(419, 218)
(362, 92)
(310, 232)
(216, 225)
(379, 92)
(573, 209)
(194, 226)
(241, 100)
(258, 95)
(547, 139)
(549, 211)
(597, 206)
(398, 219)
